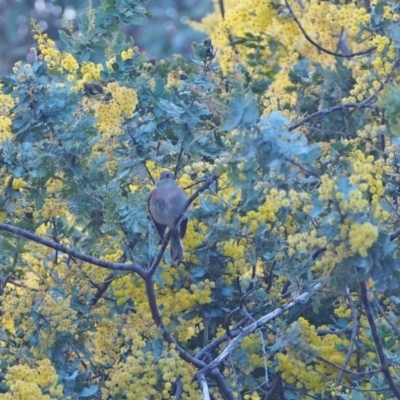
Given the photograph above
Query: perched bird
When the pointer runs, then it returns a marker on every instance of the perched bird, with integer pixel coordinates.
(165, 203)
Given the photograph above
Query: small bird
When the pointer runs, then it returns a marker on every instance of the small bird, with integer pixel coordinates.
(165, 203)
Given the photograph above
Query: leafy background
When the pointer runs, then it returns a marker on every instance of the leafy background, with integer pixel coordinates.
(282, 125)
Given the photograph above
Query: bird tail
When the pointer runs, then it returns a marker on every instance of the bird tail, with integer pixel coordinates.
(177, 253)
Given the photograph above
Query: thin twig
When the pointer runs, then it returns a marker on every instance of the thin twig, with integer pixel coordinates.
(384, 315)
(319, 47)
(385, 364)
(71, 252)
(257, 324)
(340, 107)
(395, 234)
(302, 168)
(347, 371)
(323, 332)
(264, 351)
(353, 336)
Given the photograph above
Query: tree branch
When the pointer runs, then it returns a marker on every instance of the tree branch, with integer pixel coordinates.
(204, 386)
(384, 315)
(353, 336)
(71, 252)
(257, 324)
(340, 107)
(157, 318)
(377, 341)
(319, 47)
(355, 375)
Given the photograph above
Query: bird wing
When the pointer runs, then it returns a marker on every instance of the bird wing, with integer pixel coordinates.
(182, 227)
(160, 228)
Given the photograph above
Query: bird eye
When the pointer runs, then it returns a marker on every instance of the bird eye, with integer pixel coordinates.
(167, 174)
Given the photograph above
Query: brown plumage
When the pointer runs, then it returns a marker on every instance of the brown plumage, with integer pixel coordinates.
(165, 203)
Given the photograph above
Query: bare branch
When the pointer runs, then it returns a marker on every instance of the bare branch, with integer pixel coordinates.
(353, 336)
(340, 107)
(377, 341)
(301, 167)
(157, 318)
(372, 372)
(71, 252)
(222, 8)
(257, 324)
(395, 234)
(384, 315)
(323, 332)
(319, 47)
(204, 386)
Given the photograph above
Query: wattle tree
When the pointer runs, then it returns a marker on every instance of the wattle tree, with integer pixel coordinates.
(283, 130)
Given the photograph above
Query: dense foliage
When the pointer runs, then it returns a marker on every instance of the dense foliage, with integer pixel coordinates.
(283, 128)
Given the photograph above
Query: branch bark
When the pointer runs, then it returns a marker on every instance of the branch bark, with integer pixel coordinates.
(71, 252)
(340, 107)
(319, 47)
(353, 336)
(385, 364)
(257, 324)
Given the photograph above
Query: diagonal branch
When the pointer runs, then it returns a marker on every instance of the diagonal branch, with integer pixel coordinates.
(353, 336)
(355, 375)
(340, 107)
(384, 315)
(319, 47)
(223, 387)
(257, 324)
(71, 252)
(204, 386)
(385, 364)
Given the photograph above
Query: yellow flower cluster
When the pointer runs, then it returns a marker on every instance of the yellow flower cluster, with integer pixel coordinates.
(241, 17)
(54, 207)
(326, 187)
(186, 330)
(90, 71)
(234, 249)
(18, 183)
(367, 176)
(16, 306)
(267, 211)
(134, 379)
(305, 241)
(332, 257)
(6, 104)
(60, 316)
(390, 13)
(62, 61)
(175, 302)
(370, 80)
(174, 80)
(263, 20)
(106, 341)
(298, 368)
(362, 237)
(295, 371)
(251, 344)
(28, 383)
(111, 114)
(127, 54)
